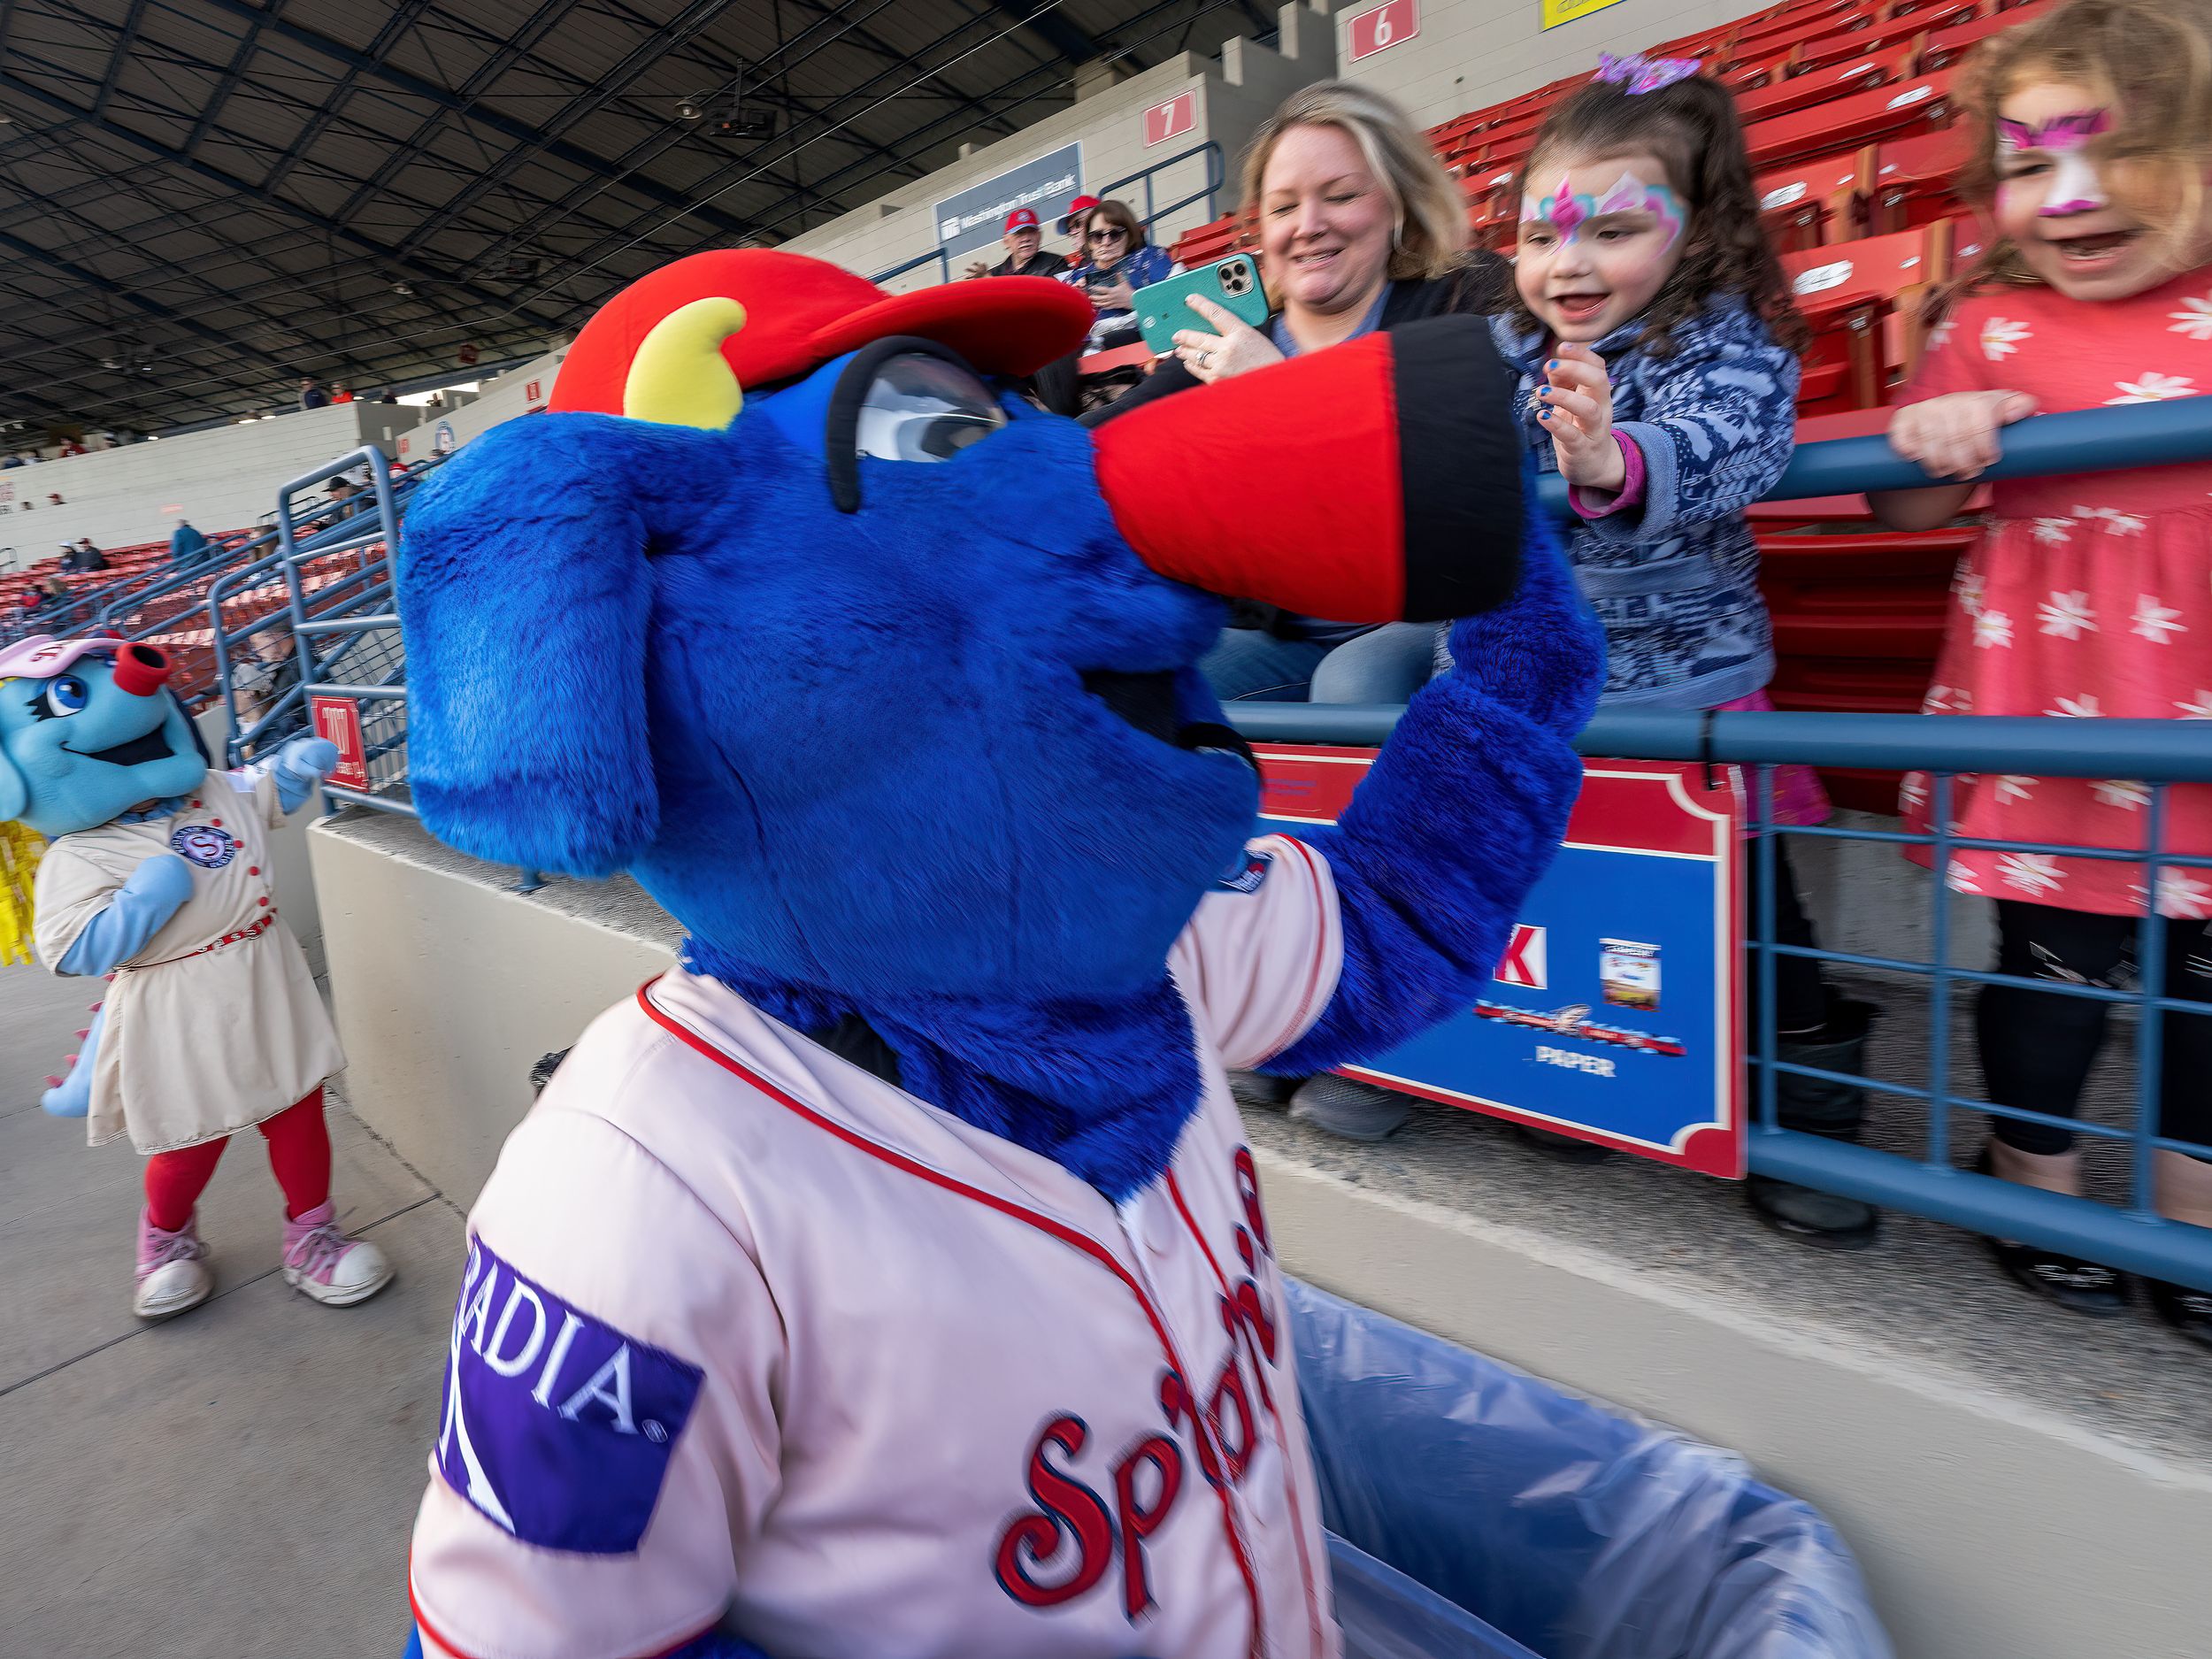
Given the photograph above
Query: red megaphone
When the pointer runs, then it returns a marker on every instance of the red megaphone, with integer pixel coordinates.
(1376, 481)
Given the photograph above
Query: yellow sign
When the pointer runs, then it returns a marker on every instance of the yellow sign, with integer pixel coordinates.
(1558, 12)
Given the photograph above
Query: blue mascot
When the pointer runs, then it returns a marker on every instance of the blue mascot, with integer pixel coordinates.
(158, 876)
(891, 1277)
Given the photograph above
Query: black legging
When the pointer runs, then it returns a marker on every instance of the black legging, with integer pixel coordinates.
(2037, 1049)
(1800, 995)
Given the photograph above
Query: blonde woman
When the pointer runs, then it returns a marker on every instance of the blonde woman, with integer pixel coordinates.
(1360, 228)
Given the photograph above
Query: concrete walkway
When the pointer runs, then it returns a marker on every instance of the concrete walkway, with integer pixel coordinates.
(236, 1484)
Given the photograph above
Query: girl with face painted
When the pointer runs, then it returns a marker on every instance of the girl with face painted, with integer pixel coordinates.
(2088, 596)
(1654, 339)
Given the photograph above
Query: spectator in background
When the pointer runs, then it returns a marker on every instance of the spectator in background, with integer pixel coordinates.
(84, 557)
(388, 396)
(1070, 228)
(187, 547)
(312, 393)
(1024, 240)
(340, 393)
(71, 446)
(1118, 261)
(53, 593)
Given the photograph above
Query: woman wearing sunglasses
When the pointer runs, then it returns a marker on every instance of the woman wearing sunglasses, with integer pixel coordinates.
(1117, 262)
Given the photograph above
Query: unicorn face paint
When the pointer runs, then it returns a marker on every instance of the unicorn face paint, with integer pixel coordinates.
(2057, 201)
(1592, 255)
(2073, 187)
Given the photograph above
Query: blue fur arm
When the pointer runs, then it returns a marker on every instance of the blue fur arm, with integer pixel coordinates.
(300, 764)
(1458, 816)
(156, 891)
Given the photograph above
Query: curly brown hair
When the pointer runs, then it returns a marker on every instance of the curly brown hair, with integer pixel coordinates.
(2151, 60)
(1692, 126)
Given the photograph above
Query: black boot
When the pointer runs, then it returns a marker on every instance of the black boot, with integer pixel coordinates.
(1817, 1106)
(2188, 1311)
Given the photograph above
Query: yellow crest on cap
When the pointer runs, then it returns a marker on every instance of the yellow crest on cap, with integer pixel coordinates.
(680, 376)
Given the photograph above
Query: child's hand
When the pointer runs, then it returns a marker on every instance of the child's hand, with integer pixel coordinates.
(1956, 435)
(1575, 405)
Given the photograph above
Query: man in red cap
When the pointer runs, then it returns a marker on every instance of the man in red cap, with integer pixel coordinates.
(1024, 240)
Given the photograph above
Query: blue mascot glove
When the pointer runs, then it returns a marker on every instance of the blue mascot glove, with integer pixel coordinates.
(299, 766)
(156, 891)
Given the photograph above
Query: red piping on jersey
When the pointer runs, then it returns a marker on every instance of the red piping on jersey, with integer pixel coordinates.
(445, 1646)
(1298, 1024)
(1067, 1235)
(1282, 1442)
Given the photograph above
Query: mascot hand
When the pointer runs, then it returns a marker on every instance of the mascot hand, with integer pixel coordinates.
(300, 765)
(1458, 816)
(1542, 655)
(162, 884)
(142, 907)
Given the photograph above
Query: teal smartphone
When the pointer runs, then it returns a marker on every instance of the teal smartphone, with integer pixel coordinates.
(1233, 284)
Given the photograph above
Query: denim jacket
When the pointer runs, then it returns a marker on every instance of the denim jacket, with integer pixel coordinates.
(1676, 580)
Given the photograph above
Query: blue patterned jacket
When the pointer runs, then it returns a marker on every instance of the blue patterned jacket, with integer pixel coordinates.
(1675, 581)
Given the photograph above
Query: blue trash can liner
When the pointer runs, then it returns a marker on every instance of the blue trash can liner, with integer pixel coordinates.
(1477, 1513)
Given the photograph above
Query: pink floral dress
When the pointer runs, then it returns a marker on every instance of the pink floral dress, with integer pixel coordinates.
(2089, 597)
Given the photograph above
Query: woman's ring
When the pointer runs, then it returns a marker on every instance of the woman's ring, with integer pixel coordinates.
(1205, 359)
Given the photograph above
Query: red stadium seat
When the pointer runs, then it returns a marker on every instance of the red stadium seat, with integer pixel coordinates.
(1846, 44)
(1919, 106)
(1946, 46)
(1848, 292)
(1822, 86)
(1803, 206)
(1912, 180)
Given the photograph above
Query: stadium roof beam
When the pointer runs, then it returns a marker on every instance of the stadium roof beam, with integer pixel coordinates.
(415, 86)
(229, 181)
(1067, 40)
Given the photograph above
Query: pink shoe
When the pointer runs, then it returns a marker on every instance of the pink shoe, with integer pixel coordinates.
(172, 1275)
(321, 1262)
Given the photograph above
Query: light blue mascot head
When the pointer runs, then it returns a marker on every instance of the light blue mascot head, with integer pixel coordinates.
(879, 680)
(88, 729)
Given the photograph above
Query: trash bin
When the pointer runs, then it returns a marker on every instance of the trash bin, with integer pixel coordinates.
(1477, 1513)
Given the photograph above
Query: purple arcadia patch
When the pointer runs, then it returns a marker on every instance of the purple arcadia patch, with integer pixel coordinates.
(557, 1426)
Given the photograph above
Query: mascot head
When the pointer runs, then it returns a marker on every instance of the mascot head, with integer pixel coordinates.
(88, 730)
(880, 682)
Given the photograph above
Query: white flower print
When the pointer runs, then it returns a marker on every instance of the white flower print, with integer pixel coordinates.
(1963, 878)
(2179, 894)
(2067, 616)
(1940, 336)
(2012, 787)
(2055, 532)
(2154, 621)
(2001, 337)
(1968, 586)
(2122, 793)
(1912, 793)
(1937, 701)
(1991, 628)
(2150, 387)
(2201, 710)
(2082, 708)
(2033, 873)
(2114, 521)
(2194, 319)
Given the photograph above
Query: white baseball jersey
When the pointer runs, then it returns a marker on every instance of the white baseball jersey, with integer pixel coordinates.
(749, 1337)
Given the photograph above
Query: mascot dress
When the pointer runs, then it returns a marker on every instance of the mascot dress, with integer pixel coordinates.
(157, 877)
(890, 1280)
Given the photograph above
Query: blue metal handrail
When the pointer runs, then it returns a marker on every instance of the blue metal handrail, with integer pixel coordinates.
(2162, 433)
(935, 256)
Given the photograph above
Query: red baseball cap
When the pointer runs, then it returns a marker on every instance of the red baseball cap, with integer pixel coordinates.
(1023, 218)
(1081, 204)
(801, 312)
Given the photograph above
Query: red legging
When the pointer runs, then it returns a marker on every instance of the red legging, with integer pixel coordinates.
(299, 1152)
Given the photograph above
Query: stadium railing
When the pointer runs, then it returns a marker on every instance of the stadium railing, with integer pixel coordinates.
(2156, 753)
(348, 646)
(1215, 175)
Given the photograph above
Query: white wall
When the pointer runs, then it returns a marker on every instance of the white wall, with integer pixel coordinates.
(517, 392)
(1232, 94)
(222, 478)
(1471, 53)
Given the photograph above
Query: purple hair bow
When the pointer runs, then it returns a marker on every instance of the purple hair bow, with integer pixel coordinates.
(1637, 73)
